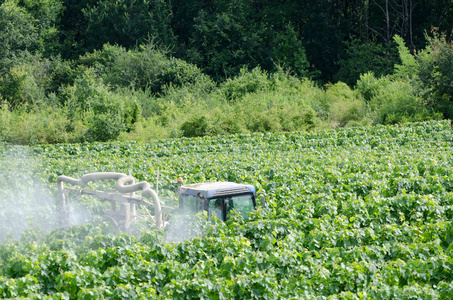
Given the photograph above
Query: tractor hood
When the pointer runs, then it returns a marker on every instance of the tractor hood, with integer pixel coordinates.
(216, 189)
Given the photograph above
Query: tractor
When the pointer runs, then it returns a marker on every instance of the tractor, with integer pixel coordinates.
(218, 198)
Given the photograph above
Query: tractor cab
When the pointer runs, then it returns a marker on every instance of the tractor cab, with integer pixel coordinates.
(218, 198)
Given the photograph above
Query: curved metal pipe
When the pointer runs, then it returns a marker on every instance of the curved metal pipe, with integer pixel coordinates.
(124, 184)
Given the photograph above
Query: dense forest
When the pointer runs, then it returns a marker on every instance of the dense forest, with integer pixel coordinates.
(93, 70)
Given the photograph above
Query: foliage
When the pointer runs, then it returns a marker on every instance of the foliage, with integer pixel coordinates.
(436, 73)
(231, 35)
(46, 16)
(104, 113)
(353, 212)
(221, 37)
(393, 101)
(408, 66)
(230, 66)
(245, 82)
(344, 105)
(197, 126)
(17, 34)
(289, 52)
(361, 58)
(26, 26)
(147, 68)
(20, 88)
(37, 81)
(38, 126)
(127, 23)
(369, 86)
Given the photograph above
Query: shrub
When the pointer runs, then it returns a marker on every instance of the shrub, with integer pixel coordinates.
(396, 102)
(266, 121)
(146, 68)
(177, 72)
(245, 82)
(19, 87)
(435, 73)
(369, 86)
(362, 57)
(195, 126)
(105, 113)
(102, 60)
(139, 68)
(36, 81)
(392, 101)
(345, 105)
(43, 125)
(224, 120)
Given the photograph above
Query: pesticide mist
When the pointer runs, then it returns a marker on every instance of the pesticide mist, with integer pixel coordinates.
(28, 204)
(25, 201)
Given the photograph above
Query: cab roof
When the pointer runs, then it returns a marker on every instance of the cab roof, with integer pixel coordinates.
(216, 189)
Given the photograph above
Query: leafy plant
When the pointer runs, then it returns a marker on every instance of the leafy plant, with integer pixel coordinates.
(352, 212)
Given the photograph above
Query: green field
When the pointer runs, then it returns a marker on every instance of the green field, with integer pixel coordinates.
(355, 213)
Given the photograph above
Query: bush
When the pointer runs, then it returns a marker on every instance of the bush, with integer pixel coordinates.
(195, 126)
(435, 73)
(369, 86)
(43, 125)
(146, 68)
(224, 120)
(138, 69)
(176, 72)
(36, 81)
(245, 82)
(362, 57)
(266, 121)
(396, 102)
(392, 100)
(281, 109)
(19, 87)
(105, 113)
(345, 105)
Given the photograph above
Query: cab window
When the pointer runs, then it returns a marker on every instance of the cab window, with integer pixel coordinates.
(216, 207)
(242, 204)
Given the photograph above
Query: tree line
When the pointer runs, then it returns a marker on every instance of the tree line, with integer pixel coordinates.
(95, 63)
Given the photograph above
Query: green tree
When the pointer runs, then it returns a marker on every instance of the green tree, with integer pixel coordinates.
(92, 105)
(72, 26)
(145, 67)
(18, 35)
(128, 23)
(46, 17)
(231, 35)
(435, 73)
(26, 27)
(361, 57)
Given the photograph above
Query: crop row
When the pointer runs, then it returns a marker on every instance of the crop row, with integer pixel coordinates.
(353, 213)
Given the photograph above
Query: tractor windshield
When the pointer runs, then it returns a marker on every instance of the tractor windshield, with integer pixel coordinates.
(240, 203)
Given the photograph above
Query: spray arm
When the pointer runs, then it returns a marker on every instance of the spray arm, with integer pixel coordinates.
(124, 184)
